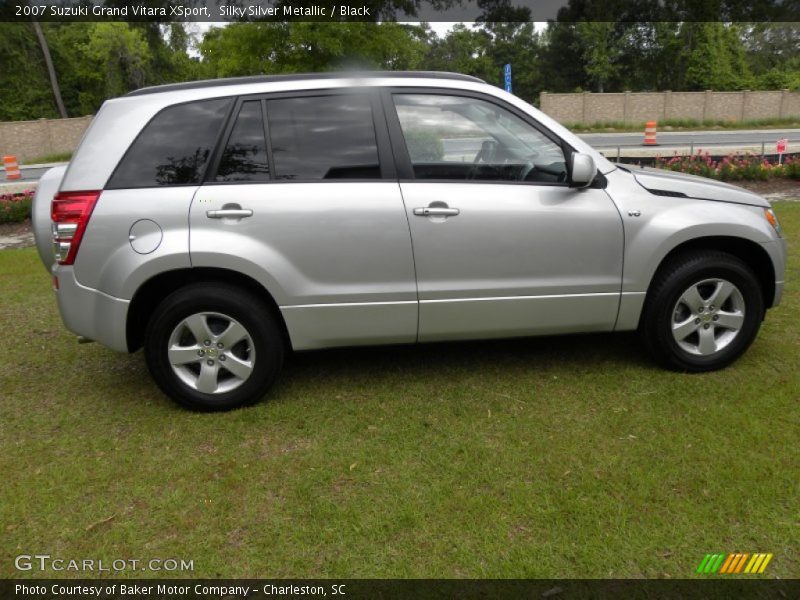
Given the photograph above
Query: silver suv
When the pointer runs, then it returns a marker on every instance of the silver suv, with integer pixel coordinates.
(221, 224)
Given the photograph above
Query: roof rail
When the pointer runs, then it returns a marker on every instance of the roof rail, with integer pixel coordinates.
(206, 83)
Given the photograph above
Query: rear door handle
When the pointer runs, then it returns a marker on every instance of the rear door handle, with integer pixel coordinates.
(229, 213)
(435, 211)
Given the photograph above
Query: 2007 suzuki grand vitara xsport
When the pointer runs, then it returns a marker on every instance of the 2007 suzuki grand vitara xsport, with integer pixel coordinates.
(219, 224)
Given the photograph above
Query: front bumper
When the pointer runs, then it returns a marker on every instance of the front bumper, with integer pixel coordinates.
(777, 251)
(91, 313)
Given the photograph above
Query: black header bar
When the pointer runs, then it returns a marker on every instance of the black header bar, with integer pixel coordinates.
(401, 10)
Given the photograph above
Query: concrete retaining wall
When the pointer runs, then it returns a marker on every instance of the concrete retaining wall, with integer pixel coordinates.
(32, 139)
(631, 107)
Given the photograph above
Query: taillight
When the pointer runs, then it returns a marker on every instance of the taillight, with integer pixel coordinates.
(70, 212)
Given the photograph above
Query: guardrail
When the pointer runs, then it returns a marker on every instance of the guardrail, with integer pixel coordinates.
(685, 144)
(632, 146)
(761, 148)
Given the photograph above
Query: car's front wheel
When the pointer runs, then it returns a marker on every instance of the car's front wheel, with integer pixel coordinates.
(702, 312)
(213, 347)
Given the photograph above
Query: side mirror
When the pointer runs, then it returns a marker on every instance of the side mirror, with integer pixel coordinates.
(582, 171)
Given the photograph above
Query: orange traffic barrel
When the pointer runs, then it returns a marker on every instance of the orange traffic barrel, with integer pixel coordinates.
(12, 167)
(650, 134)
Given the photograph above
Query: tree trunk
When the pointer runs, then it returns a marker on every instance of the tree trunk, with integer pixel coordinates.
(50, 69)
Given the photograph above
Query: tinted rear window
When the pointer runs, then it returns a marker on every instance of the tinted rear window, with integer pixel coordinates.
(174, 148)
(323, 137)
(245, 155)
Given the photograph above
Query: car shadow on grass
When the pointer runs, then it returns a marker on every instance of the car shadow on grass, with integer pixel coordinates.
(578, 352)
(387, 368)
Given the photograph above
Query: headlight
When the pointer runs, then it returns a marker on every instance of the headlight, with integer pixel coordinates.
(773, 220)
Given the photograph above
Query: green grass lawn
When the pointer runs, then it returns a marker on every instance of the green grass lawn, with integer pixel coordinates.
(550, 457)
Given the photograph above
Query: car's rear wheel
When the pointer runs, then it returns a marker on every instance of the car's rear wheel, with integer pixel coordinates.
(703, 311)
(212, 347)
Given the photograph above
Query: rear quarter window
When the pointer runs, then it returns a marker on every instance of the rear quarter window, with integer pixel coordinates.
(174, 147)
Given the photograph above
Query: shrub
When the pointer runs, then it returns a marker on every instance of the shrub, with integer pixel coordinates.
(15, 208)
(791, 167)
(734, 167)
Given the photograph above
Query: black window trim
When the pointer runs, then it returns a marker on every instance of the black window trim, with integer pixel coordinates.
(211, 174)
(405, 168)
(382, 142)
(225, 137)
(214, 145)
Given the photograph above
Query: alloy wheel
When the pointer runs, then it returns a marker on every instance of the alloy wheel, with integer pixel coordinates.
(211, 352)
(708, 316)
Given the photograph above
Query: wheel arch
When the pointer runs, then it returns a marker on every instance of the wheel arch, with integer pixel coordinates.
(751, 253)
(148, 296)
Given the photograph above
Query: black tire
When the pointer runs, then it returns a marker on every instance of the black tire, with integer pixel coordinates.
(671, 281)
(238, 304)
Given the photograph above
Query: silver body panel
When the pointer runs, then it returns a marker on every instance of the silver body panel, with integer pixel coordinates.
(351, 263)
(504, 266)
(695, 187)
(109, 263)
(90, 313)
(663, 223)
(336, 257)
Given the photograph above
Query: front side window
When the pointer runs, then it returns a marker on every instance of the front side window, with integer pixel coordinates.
(244, 157)
(462, 138)
(323, 137)
(174, 147)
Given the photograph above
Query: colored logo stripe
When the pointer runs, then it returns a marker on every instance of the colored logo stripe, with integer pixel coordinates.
(727, 564)
(710, 563)
(734, 563)
(758, 563)
(713, 566)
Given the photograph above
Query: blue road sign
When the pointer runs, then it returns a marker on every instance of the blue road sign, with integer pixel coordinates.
(507, 74)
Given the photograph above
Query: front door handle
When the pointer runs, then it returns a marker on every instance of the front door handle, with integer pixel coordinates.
(436, 211)
(229, 213)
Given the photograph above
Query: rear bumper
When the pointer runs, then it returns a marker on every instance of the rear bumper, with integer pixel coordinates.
(91, 313)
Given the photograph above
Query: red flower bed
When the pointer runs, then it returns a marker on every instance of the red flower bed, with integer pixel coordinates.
(734, 167)
(15, 208)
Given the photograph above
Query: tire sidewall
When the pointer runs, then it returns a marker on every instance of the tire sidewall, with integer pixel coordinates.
(732, 271)
(249, 311)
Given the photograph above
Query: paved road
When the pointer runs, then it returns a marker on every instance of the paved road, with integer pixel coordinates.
(703, 138)
(33, 174)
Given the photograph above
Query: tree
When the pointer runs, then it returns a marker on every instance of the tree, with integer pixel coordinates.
(462, 50)
(27, 93)
(598, 49)
(48, 61)
(715, 57)
(111, 61)
(561, 59)
(773, 54)
(296, 47)
(90, 62)
(102, 60)
(516, 44)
